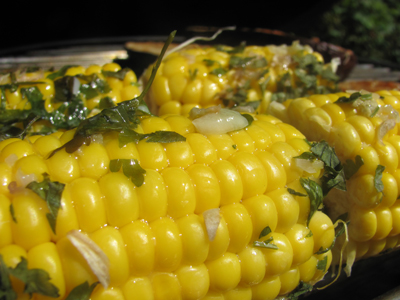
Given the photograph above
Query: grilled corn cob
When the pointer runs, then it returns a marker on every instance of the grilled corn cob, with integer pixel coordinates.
(35, 100)
(186, 215)
(363, 129)
(235, 76)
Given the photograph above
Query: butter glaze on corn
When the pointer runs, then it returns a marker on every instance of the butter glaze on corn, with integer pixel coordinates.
(154, 235)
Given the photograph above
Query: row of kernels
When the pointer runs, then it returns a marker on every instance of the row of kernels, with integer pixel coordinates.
(122, 90)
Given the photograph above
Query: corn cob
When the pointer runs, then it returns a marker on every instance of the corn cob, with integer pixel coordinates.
(363, 129)
(234, 76)
(35, 100)
(160, 208)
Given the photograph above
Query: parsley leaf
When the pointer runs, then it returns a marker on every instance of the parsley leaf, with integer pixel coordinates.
(36, 280)
(51, 192)
(267, 230)
(266, 244)
(6, 289)
(314, 192)
(350, 167)
(130, 168)
(82, 291)
(302, 288)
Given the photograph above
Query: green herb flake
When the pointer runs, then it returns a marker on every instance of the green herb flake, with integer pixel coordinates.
(307, 156)
(353, 97)
(60, 72)
(302, 289)
(234, 146)
(218, 72)
(209, 62)
(51, 192)
(293, 192)
(314, 192)
(378, 178)
(350, 167)
(106, 102)
(310, 234)
(164, 137)
(118, 74)
(82, 291)
(6, 290)
(12, 213)
(266, 244)
(373, 114)
(321, 264)
(193, 74)
(267, 230)
(130, 168)
(249, 118)
(35, 280)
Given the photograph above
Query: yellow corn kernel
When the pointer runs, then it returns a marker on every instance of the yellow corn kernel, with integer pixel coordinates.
(177, 84)
(238, 293)
(370, 158)
(363, 223)
(67, 219)
(17, 149)
(166, 286)
(206, 187)
(194, 281)
(152, 155)
(387, 156)
(168, 250)
(252, 172)
(31, 227)
(114, 83)
(261, 139)
(46, 144)
(112, 293)
(287, 208)
(120, 199)
(45, 256)
(323, 231)
(278, 260)
(204, 152)
(395, 211)
(138, 288)
(194, 239)
(364, 127)
(221, 241)
(239, 225)
(319, 123)
(63, 167)
(275, 132)
(268, 289)
(192, 92)
(110, 241)
(363, 192)
(275, 171)
(224, 272)
(170, 108)
(152, 196)
(224, 144)
(129, 92)
(89, 203)
(153, 124)
(5, 221)
(285, 153)
(375, 247)
(112, 67)
(243, 141)
(75, 71)
(302, 243)
(181, 193)
(160, 90)
(307, 269)
(230, 182)
(179, 154)
(319, 274)
(252, 266)
(263, 213)
(289, 280)
(390, 190)
(93, 160)
(93, 69)
(345, 139)
(140, 247)
(5, 178)
(384, 222)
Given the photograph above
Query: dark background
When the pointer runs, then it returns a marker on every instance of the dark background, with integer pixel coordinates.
(34, 22)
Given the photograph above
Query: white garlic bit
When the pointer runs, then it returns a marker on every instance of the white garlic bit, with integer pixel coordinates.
(310, 166)
(211, 220)
(219, 122)
(95, 257)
